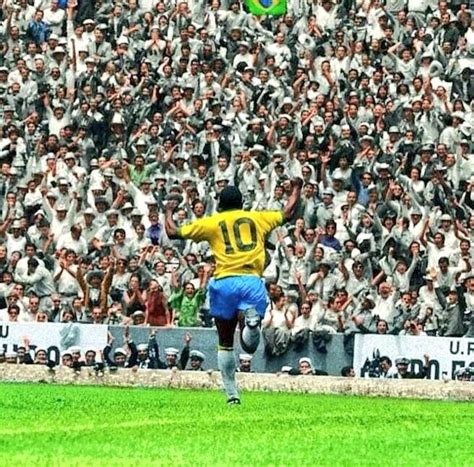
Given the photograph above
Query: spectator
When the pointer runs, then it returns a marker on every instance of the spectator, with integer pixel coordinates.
(186, 301)
(277, 325)
(245, 363)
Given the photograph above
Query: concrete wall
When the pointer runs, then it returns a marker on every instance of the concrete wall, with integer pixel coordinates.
(205, 340)
(413, 389)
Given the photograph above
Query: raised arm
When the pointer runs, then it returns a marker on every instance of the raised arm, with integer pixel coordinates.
(292, 201)
(170, 225)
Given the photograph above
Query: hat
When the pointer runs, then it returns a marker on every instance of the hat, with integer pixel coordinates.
(89, 60)
(446, 217)
(160, 176)
(137, 313)
(197, 355)
(415, 212)
(246, 357)
(51, 194)
(120, 351)
(305, 360)
(394, 129)
(88, 21)
(61, 207)
(127, 205)
(63, 181)
(75, 349)
(142, 347)
(58, 50)
(94, 162)
(111, 212)
(89, 212)
(328, 192)
(459, 115)
(136, 212)
(172, 351)
(108, 173)
(16, 225)
(53, 37)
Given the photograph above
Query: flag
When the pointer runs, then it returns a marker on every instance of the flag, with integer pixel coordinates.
(266, 7)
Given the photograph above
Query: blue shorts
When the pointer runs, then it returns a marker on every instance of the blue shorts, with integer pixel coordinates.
(229, 295)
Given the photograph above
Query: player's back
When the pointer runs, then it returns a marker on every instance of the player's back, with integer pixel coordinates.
(237, 239)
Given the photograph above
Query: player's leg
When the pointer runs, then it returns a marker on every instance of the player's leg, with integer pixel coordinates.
(224, 310)
(252, 305)
(226, 357)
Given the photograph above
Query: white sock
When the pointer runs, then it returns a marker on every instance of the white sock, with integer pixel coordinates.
(226, 363)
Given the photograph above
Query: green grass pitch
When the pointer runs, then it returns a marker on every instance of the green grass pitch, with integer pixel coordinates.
(72, 425)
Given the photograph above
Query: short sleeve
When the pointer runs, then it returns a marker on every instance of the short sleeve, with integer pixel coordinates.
(269, 220)
(197, 231)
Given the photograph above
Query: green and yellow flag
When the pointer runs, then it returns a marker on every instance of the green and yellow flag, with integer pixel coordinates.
(266, 7)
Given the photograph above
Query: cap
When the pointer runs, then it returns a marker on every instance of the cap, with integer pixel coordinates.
(112, 212)
(141, 347)
(402, 361)
(245, 356)
(172, 351)
(120, 351)
(61, 207)
(446, 217)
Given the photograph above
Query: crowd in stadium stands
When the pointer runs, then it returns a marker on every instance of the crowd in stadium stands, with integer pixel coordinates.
(108, 109)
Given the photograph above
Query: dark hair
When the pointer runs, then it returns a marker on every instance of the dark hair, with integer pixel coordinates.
(345, 371)
(230, 198)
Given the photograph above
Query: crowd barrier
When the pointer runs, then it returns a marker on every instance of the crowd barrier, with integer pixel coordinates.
(446, 355)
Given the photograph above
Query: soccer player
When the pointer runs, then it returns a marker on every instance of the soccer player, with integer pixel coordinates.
(237, 293)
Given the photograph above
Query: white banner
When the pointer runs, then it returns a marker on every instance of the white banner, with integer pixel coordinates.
(53, 337)
(446, 354)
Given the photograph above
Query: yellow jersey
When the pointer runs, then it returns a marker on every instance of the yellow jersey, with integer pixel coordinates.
(236, 238)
